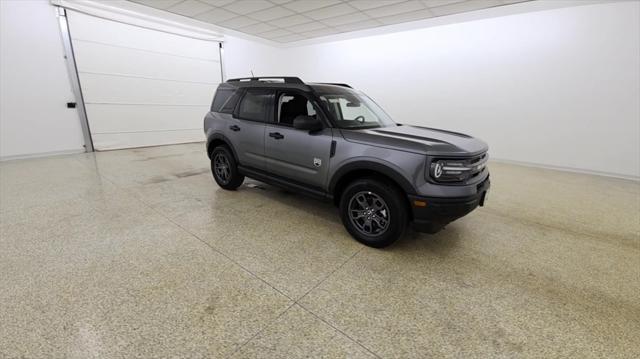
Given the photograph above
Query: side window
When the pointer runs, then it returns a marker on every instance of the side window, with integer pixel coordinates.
(222, 95)
(225, 100)
(255, 106)
(292, 105)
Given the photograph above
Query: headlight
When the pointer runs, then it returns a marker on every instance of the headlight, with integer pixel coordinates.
(457, 170)
(449, 171)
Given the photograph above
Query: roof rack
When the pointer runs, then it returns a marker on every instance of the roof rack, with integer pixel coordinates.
(286, 79)
(335, 84)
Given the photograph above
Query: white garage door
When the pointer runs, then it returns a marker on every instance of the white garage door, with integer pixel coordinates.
(142, 87)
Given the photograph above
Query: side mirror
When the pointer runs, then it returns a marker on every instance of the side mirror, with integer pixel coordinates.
(307, 123)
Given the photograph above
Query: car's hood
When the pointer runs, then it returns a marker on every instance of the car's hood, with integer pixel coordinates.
(416, 139)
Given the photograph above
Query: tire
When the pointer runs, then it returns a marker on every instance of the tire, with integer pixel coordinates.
(225, 169)
(362, 203)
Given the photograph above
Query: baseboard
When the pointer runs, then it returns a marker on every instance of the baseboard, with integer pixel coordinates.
(150, 146)
(566, 169)
(41, 154)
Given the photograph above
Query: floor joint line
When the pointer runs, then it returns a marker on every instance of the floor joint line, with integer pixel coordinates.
(338, 330)
(294, 301)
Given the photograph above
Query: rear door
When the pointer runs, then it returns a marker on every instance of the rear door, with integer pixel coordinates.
(247, 126)
(297, 155)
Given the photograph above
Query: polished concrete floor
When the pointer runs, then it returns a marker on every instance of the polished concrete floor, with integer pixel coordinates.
(137, 253)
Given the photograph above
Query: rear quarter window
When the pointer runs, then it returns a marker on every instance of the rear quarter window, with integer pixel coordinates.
(225, 100)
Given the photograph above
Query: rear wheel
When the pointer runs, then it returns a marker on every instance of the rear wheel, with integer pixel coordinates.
(374, 212)
(225, 169)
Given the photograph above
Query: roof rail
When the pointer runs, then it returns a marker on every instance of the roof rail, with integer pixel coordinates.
(286, 79)
(335, 84)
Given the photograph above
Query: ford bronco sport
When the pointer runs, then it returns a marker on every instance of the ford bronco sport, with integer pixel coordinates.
(333, 142)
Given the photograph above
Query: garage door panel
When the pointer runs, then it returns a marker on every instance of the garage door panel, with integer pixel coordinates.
(142, 87)
(86, 27)
(136, 118)
(107, 89)
(143, 139)
(108, 59)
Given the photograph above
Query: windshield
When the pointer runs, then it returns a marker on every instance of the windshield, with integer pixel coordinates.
(354, 110)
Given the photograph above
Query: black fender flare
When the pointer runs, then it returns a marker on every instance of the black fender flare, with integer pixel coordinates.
(221, 137)
(357, 165)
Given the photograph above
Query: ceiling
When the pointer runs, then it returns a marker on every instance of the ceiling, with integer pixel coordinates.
(293, 20)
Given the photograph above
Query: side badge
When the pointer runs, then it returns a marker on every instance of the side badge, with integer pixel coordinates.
(317, 162)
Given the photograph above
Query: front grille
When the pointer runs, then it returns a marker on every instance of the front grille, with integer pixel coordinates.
(479, 164)
(478, 158)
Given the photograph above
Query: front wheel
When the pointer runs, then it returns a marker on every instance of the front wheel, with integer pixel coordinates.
(374, 212)
(224, 169)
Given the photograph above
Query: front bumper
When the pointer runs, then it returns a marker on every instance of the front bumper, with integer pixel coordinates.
(439, 211)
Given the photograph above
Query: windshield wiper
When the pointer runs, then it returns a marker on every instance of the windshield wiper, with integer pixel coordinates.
(363, 127)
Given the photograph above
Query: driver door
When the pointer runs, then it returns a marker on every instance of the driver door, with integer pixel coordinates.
(298, 155)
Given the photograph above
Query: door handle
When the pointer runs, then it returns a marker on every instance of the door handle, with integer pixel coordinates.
(234, 128)
(276, 135)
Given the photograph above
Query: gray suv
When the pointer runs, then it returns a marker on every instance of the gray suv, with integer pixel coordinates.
(333, 142)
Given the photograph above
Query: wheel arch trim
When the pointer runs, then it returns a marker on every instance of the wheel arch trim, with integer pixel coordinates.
(369, 165)
(221, 138)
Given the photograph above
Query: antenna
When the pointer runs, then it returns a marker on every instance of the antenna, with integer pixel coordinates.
(252, 75)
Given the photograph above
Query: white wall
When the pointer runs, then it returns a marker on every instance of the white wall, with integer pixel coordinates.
(558, 87)
(241, 56)
(34, 83)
